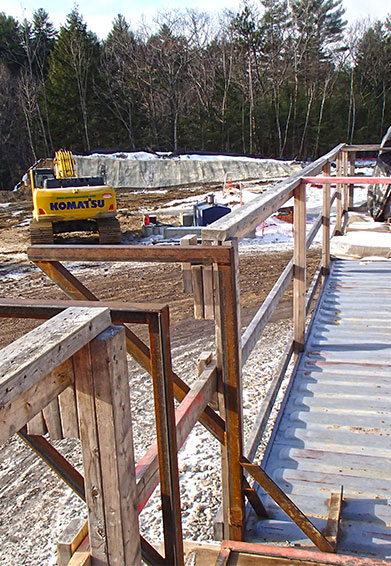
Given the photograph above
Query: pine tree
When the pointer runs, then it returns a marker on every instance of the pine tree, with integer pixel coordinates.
(73, 63)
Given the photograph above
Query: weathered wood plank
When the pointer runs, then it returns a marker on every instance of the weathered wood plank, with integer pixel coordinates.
(82, 555)
(68, 413)
(161, 254)
(27, 360)
(243, 220)
(198, 291)
(44, 309)
(37, 425)
(85, 395)
(21, 409)
(188, 240)
(114, 426)
(70, 540)
(51, 414)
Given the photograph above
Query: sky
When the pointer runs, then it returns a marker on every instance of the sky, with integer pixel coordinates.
(99, 14)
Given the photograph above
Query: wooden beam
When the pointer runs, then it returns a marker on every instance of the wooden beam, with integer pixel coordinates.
(246, 218)
(288, 506)
(19, 410)
(32, 357)
(68, 413)
(204, 255)
(352, 169)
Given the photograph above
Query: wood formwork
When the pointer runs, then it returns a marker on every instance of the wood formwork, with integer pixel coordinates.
(211, 273)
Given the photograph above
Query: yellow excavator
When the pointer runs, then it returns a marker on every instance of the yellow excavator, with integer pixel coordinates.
(63, 202)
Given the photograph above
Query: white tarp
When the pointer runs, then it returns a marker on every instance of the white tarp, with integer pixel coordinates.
(126, 172)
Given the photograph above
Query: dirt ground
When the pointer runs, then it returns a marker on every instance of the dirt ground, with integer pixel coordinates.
(129, 282)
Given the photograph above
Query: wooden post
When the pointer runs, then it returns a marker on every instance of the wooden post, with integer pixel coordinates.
(338, 227)
(326, 224)
(159, 336)
(114, 427)
(188, 240)
(352, 171)
(230, 394)
(299, 268)
(208, 286)
(106, 435)
(345, 186)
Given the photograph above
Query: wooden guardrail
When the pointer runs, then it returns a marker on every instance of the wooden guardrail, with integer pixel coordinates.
(210, 269)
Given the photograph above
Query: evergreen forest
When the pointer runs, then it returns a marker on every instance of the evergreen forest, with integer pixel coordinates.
(282, 79)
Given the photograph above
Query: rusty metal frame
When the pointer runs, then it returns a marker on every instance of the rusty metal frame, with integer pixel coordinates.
(289, 555)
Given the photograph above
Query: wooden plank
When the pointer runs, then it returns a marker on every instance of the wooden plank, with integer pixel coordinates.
(188, 240)
(332, 526)
(257, 325)
(82, 555)
(37, 425)
(299, 268)
(246, 218)
(68, 413)
(326, 224)
(51, 414)
(186, 416)
(114, 428)
(161, 254)
(55, 461)
(44, 309)
(266, 408)
(70, 540)
(85, 396)
(198, 291)
(28, 359)
(159, 338)
(18, 411)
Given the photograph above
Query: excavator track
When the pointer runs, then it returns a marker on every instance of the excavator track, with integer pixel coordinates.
(109, 231)
(41, 232)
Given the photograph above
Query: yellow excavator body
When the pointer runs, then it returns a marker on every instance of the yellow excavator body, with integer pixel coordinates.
(63, 202)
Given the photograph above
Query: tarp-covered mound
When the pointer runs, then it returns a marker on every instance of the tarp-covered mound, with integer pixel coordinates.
(364, 239)
(379, 196)
(148, 171)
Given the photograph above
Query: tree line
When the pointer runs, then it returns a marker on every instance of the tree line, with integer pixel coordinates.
(277, 79)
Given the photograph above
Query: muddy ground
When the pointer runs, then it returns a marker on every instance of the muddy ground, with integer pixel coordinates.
(259, 269)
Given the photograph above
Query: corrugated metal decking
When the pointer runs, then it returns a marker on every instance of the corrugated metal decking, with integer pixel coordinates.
(335, 425)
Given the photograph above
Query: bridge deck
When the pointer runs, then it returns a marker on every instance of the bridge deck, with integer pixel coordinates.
(335, 424)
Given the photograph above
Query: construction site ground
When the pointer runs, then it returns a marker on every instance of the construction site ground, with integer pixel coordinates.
(34, 506)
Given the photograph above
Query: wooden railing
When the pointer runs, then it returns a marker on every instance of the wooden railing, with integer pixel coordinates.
(211, 272)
